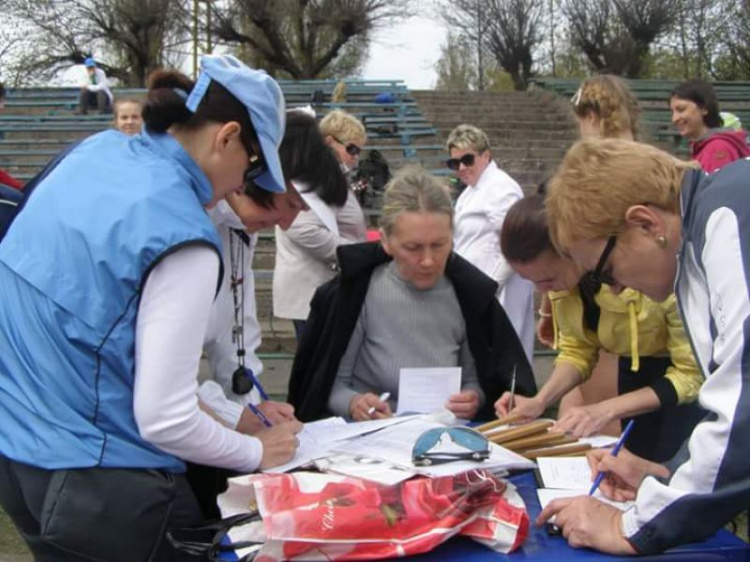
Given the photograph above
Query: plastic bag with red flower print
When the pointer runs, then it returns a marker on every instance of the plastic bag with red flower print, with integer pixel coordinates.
(313, 516)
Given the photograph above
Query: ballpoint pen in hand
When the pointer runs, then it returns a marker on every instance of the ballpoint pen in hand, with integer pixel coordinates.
(512, 390)
(262, 391)
(615, 450)
(261, 416)
(383, 397)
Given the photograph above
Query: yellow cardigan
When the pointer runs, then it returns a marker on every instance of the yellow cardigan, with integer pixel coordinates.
(631, 325)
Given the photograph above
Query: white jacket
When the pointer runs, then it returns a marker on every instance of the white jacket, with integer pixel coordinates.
(480, 212)
(306, 253)
(219, 343)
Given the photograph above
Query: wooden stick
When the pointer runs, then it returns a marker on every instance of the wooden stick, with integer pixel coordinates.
(557, 451)
(526, 430)
(537, 441)
(505, 420)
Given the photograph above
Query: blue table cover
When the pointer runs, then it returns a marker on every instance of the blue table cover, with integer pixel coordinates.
(541, 547)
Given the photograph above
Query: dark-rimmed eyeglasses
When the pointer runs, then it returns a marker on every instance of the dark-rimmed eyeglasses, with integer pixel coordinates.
(600, 275)
(476, 445)
(455, 163)
(351, 148)
(255, 168)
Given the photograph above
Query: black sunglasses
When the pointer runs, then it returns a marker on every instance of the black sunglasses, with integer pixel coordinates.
(351, 148)
(454, 163)
(476, 446)
(599, 275)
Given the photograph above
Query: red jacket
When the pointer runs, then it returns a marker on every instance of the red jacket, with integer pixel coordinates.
(720, 147)
(9, 180)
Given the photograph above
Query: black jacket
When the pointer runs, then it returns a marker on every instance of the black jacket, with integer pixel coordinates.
(335, 309)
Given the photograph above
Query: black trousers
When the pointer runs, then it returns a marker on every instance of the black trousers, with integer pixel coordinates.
(97, 514)
(658, 435)
(97, 100)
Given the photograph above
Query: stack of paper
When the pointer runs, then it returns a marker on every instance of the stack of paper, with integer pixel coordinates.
(381, 450)
(565, 477)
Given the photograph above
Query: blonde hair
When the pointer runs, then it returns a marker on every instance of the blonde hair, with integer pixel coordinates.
(468, 137)
(600, 179)
(611, 100)
(339, 92)
(413, 189)
(343, 126)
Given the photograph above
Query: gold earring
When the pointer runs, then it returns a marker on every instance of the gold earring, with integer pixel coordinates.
(662, 241)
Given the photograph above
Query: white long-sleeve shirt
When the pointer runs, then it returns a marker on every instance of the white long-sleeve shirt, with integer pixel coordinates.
(220, 346)
(172, 316)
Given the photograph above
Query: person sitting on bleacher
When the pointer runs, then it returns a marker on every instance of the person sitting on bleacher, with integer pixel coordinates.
(95, 92)
(407, 301)
(695, 114)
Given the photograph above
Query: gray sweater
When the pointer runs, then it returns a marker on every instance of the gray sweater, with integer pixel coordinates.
(401, 326)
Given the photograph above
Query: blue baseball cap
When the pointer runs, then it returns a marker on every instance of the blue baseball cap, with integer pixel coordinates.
(88, 62)
(262, 97)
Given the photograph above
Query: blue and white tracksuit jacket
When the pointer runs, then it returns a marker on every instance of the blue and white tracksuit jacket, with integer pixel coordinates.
(710, 480)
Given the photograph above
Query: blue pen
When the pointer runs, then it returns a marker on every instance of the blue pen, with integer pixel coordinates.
(261, 416)
(256, 382)
(615, 450)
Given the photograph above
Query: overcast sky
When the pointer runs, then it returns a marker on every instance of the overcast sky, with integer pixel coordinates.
(408, 51)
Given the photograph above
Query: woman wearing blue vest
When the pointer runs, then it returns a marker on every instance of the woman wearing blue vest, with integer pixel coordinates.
(107, 278)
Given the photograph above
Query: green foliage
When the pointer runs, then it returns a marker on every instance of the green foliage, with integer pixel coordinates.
(456, 67)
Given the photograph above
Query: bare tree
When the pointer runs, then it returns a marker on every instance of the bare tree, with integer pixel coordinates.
(616, 35)
(469, 21)
(302, 38)
(128, 37)
(645, 21)
(514, 33)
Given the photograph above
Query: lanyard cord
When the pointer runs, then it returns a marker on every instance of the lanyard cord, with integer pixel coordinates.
(237, 261)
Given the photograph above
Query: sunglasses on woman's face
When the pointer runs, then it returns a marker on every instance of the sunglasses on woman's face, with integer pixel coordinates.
(255, 168)
(601, 275)
(476, 446)
(455, 163)
(351, 148)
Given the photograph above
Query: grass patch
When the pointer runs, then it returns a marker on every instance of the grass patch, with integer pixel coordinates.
(10, 540)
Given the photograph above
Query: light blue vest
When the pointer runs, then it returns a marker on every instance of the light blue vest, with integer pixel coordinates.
(72, 268)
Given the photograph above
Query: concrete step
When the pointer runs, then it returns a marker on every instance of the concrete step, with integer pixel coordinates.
(530, 127)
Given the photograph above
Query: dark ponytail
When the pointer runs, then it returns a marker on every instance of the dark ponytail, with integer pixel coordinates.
(165, 101)
(165, 106)
(306, 158)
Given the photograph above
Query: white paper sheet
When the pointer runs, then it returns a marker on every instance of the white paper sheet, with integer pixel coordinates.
(367, 468)
(546, 495)
(599, 441)
(427, 390)
(395, 445)
(567, 473)
(316, 438)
